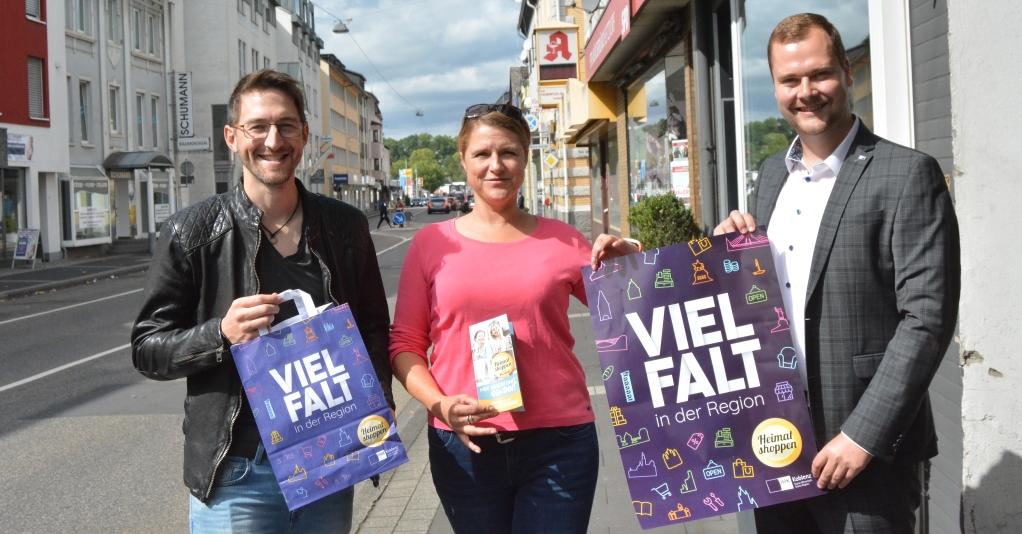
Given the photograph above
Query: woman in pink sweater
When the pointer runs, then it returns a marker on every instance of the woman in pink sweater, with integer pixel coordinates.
(526, 470)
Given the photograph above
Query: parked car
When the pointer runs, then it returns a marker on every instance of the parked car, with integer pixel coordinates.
(437, 205)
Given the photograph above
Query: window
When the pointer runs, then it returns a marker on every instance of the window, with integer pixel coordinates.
(266, 62)
(376, 137)
(78, 16)
(36, 89)
(150, 34)
(241, 57)
(32, 9)
(139, 119)
(114, 21)
(85, 107)
(136, 29)
(115, 109)
(376, 164)
(255, 59)
(70, 112)
(658, 132)
(766, 132)
(154, 118)
(255, 10)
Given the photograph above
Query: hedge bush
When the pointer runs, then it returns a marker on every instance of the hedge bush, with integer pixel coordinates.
(662, 220)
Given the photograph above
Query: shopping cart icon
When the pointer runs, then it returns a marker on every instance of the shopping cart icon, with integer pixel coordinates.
(662, 490)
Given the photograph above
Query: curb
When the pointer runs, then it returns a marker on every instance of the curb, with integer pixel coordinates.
(69, 282)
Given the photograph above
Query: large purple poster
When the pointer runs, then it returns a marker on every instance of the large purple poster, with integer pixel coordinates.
(702, 379)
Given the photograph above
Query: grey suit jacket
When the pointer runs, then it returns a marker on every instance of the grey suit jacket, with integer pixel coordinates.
(882, 299)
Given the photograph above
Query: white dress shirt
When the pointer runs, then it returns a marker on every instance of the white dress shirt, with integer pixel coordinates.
(793, 227)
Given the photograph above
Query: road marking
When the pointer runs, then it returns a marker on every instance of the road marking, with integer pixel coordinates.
(55, 310)
(577, 315)
(403, 241)
(55, 370)
(596, 390)
(66, 366)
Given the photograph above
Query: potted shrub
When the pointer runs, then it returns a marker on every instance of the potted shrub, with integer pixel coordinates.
(661, 220)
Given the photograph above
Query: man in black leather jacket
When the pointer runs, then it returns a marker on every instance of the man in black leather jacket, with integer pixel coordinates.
(214, 281)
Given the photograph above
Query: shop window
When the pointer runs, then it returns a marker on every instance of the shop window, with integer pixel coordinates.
(596, 191)
(657, 131)
(766, 132)
(91, 217)
(614, 199)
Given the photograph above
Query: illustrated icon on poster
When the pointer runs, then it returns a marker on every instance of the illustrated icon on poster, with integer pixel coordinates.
(664, 279)
(699, 273)
(679, 512)
(644, 469)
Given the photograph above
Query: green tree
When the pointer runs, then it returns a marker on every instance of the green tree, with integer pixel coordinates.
(426, 166)
(436, 169)
(766, 137)
(661, 220)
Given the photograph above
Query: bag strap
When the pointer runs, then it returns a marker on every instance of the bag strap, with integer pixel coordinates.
(303, 303)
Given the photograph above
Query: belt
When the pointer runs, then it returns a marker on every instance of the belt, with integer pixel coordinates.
(508, 436)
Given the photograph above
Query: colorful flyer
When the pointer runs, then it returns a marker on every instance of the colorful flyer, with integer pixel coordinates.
(493, 358)
(702, 379)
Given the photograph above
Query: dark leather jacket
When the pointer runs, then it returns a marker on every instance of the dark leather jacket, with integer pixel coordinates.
(205, 259)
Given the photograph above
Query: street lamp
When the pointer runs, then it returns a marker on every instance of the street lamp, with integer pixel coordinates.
(341, 27)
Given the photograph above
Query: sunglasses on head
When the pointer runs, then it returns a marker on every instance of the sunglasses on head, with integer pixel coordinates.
(478, 110)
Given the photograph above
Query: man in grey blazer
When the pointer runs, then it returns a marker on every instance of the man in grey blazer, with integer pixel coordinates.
(865, 242)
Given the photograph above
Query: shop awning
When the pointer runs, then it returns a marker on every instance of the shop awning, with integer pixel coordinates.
(137, 160)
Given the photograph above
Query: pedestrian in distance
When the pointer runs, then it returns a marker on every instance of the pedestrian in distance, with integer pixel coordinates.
(865, 241)
(523, 471)
(384, 216)
(214, 281)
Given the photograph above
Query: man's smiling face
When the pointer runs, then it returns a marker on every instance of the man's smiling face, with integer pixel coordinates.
(810, 85)
(271, 161)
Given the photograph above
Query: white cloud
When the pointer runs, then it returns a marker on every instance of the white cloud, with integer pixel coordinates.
(440, 55)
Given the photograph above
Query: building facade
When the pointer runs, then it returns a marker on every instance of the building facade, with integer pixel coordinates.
(349, 111)
(557, 180)
(675, 96)
(222, 41)
(33, 106)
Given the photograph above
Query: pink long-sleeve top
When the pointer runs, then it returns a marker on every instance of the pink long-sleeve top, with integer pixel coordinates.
(450, 282)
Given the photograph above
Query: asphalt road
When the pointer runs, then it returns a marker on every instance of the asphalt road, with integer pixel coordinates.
(88, 444)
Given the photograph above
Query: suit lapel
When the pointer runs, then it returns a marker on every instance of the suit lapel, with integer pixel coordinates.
(858, 158)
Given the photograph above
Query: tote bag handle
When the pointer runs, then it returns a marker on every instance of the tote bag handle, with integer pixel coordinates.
(303, 303)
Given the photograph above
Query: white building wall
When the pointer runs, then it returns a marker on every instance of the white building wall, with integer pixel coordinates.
(985, 122)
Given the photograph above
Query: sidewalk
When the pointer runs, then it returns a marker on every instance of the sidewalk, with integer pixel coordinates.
(405, 502)
(24, 280)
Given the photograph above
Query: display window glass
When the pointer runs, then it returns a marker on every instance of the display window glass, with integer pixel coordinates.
(766, 132)
(91, 216)
(658, 132)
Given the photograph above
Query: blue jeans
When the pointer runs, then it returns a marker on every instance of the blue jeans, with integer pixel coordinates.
(543, 480)
(246, 499)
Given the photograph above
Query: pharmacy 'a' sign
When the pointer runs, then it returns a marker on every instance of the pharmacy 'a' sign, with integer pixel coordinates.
(706, 399)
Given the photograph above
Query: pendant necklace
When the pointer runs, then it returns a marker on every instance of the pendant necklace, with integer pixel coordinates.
(273, 235)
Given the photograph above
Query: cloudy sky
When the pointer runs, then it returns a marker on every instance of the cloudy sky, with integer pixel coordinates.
(850, 17)
(443, 55)
(439, 55)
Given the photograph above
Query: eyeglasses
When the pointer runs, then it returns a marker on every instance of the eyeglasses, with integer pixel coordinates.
(259, 130)
(478, 110)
